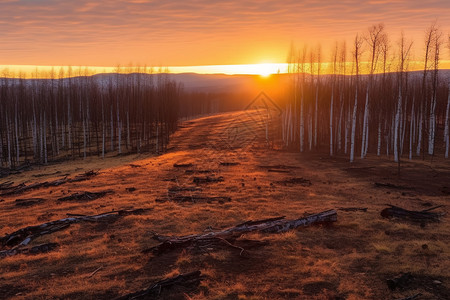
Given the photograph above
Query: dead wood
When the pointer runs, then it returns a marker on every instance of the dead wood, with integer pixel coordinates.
(272, 225)
(6, 185)
(411, 297)
(182, 165)
(278, 171)
(195, 199)
(177, 189)
(28, 201)
(24, 236)
(364, 209)
(400, 281)
(188, 281)
(207, 179)
(225, 163)
(86, 196)
(278, 167)
(43, 248)
(412, 215)
(392, 186)
(22, 188)
(295, 180)
(85, 176)
(191, 171)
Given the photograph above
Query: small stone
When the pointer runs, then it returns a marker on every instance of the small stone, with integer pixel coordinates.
(437, 282)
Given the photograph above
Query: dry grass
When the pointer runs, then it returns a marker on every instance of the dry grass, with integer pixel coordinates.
(350, 259)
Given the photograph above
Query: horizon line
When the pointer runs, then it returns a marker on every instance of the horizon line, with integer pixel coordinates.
(262, 69)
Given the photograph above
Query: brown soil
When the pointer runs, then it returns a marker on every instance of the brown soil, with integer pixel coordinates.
(350, 259)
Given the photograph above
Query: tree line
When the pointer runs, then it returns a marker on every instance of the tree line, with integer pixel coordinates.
(371, 106)
(76, 115)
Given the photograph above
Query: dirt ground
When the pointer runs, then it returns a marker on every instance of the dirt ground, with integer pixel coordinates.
(350, 259)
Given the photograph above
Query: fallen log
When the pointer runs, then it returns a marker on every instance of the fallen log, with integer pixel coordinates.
(189, 281)
(28, 201)
(411, 297)
(24, 236)
(6, 185)
(278, 167)
(195, 199)
(295, 180)
(412, 215)
(86, 196)
(177, 189)
(43, 248)
(364, 209)
(391, 186)
(85, 176)
(22, 188)
(207, 179)
(182, 165)
(400, 281)
(278, 171)
(227, 164)
(272, 225)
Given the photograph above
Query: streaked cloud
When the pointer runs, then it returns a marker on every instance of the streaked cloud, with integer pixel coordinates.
(175, 32)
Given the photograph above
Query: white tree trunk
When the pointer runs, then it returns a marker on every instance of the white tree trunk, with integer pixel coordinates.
(352, 142)
(365, 124)
(396, 126)
(315, 113)
(379, 138)
(411, 130)
(446, 130)
(331, 121)
(432, 126)
(302, 124)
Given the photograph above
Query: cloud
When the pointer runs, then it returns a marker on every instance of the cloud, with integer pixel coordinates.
(192, 32)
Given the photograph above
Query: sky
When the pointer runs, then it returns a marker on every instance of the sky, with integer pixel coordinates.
(108, 33)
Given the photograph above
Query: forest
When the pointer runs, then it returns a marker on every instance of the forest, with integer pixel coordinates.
(374, 104)
(78, 115)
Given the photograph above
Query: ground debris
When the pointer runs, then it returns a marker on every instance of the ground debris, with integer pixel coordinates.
(392, 186)
(178, 189)
(192, 171)
(43, 248)
(272, 225)
(364, 209)
(278, 171)
(86, 196)
(228, 163)
(412, 215)
(189, 165)
(399, 281)
(278, 167)
(207, 179)
(28, 201)
(411, 297)
(24, 236)
(188, 281)
(195, 199)
(6, 185)
(295, 180)
(85, 176)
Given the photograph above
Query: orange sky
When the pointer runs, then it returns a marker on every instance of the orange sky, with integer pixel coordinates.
(200, 32)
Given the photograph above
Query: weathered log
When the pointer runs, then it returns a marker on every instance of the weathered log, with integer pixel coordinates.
(22, 188)
(177, 189)
(226, 163)
(416, 216)
(43, 248)
(182, 165)
(86, 196)
(272, 225)
(364, 209)
(85, 176)
(6, 185)
(400, 281)
(295, 180)
(189, 281)
(28, 201)
(391, 186)
(278, 171)
(411, 297)
(278, 167)
(24, 236)
(207, 179)
(199, 199)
